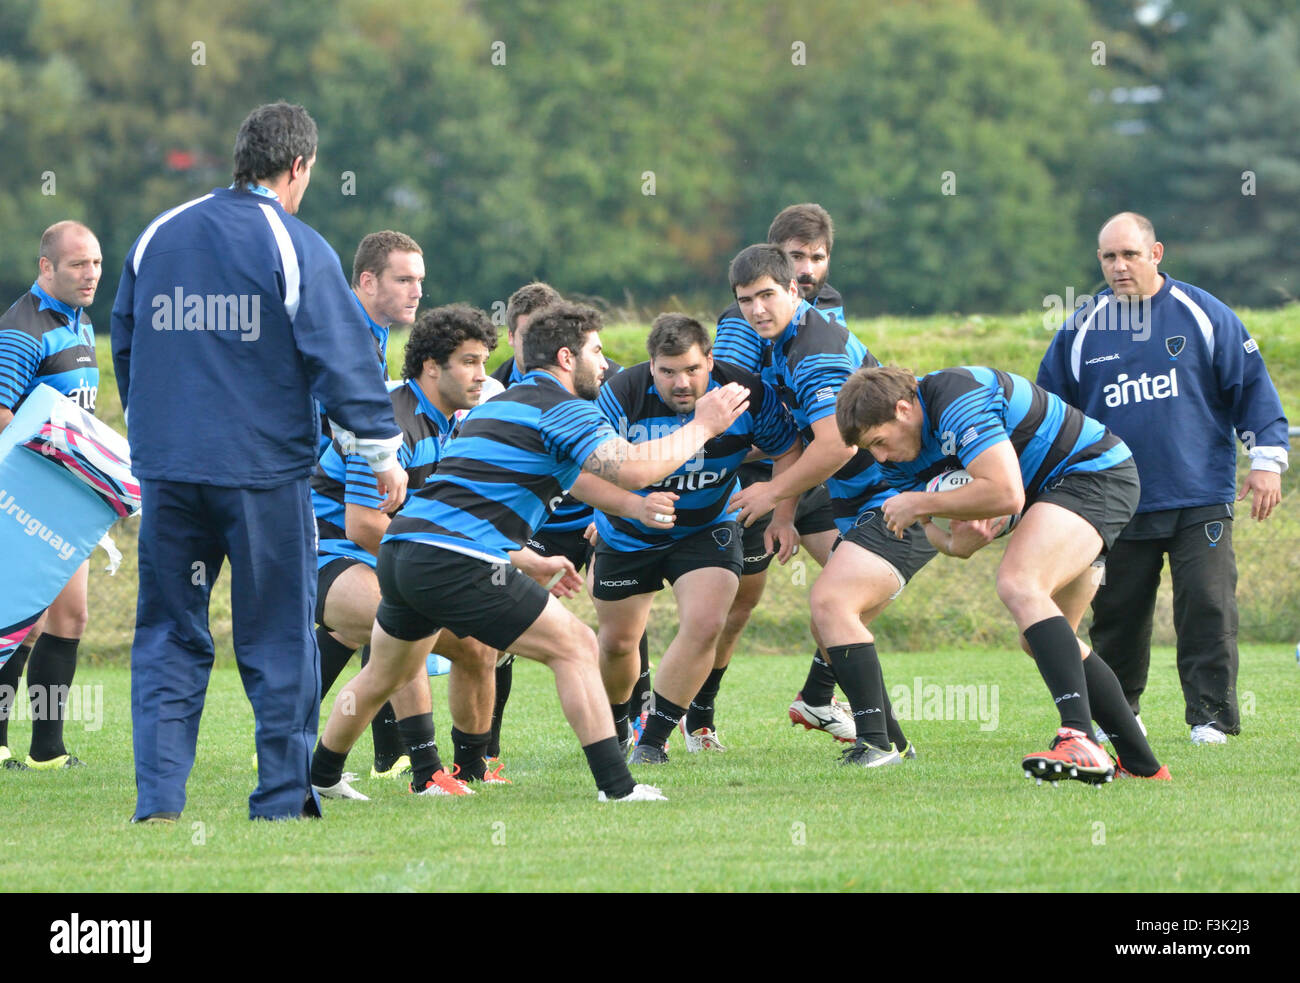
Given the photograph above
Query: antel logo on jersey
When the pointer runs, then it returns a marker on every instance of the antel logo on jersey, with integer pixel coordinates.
(1144, 388)
(692, 481)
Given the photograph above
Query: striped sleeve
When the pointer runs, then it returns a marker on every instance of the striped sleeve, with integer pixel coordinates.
(774, 429)
(818, 380)
(361, 486)
(574, 429)
(738, 343)
(967, 418)
(20, 357)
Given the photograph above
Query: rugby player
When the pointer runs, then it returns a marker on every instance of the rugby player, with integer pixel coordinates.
(445, 561)
(46, 338)
(811, 359)
(444, 372)
(1075, 486)
(701, 555)
(806, 233)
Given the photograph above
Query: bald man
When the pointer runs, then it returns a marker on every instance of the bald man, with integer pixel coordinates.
(46, 337)
(1174, 373)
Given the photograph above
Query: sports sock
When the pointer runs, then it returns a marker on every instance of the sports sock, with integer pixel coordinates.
(819, 688)
(700, 712)
(608, 768)
(10, 675)
(1111, 710)
(327, 766)
(334, 656)
(1056, 650)
(857, 667)
(469, 751)
(892, 727)
(505, 677)
(640, 701)
(387, 739)
(417, 737)
(664, 715)
(49, 674)
(622, 724)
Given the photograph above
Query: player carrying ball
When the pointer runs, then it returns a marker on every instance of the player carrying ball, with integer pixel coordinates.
(1075, 483)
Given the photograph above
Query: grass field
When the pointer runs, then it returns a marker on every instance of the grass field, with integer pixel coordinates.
(774, 813)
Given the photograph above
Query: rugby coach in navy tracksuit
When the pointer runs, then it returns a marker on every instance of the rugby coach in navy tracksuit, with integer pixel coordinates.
(231, 316)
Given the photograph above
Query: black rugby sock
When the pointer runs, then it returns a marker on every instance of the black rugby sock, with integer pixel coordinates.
(700, 712)
(622, 722)
(1112, 712)
(50, 670)
(608, 768)
(664, 715)
(640, 701)
(819, 688)
(11, 673)
(857, 667)
(469, 751)
(505, 676)
(1056, 650)
(327, 766)
(417, 738)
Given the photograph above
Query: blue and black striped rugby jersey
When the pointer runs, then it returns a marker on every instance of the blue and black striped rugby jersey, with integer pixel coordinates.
(43, 340)
(811, 359)
(969, 409)
(705, 483)
(737, 342)
(510, 464)
(348, 480)
(571, 515)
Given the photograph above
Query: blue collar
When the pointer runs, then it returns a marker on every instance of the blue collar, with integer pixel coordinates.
(541, 375)
(376, 329)
(257, 189)
(73, 314)
(429, 410)
(515, 374)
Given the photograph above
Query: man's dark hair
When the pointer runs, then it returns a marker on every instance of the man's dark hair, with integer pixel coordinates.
(808, 222)
(372, 254)
(760, 260)
(439, 332)
(869, 398)
(674, 334)
(528, 298)
(562, 325)
(270, 139)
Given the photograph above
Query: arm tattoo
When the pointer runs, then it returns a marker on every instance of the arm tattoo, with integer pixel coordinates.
(607, 460)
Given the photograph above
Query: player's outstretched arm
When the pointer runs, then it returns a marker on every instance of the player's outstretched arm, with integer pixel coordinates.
(996, 489)
(639, 465)
(556, 573)
(825, 455)
(655, 510)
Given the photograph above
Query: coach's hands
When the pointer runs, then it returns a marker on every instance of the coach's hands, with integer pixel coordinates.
(720, 408)
(657, 510)
(1267, 486)
(392, 485)
(556, 573)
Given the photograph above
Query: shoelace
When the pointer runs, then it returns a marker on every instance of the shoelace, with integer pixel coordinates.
(494, 776)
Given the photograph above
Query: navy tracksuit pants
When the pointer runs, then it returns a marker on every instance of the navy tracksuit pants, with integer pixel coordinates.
(269, 536)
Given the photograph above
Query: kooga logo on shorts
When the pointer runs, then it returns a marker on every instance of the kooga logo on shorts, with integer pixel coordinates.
(179, 311)
(34, 526)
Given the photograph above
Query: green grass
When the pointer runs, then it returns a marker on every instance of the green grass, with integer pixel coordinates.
(774, 813)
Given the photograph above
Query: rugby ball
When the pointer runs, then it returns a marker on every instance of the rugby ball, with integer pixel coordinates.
(955, 479)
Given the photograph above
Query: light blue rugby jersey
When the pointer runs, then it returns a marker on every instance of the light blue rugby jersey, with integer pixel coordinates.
(45, 341)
